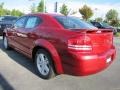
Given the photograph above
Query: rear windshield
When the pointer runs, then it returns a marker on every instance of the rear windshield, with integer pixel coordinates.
(73, 23)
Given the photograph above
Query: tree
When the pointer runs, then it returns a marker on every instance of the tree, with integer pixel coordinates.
(41, 6)
(4, 11)
(115, 23)
(99, 19)
(112, 17)
(1, 9)
(64, 10)
(33, 8)
(7, 12)
(1, 5)
(86, 12)
(15, 12)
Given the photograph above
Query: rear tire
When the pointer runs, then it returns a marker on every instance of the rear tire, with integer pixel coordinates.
(44, 65)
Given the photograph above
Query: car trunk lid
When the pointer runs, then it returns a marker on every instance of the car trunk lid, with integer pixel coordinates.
(101, 40)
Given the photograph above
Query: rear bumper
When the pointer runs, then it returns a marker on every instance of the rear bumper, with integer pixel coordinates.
(86, 64)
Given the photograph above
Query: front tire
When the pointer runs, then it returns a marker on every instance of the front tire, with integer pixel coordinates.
(5, 43)
(44, 65)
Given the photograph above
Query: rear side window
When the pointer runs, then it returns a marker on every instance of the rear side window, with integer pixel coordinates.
(73, 23)
(33, 22)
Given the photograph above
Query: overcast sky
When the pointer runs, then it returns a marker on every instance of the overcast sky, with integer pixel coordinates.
(100, 7)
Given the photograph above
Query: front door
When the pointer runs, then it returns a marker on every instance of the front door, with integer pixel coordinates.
(13, 32)
(28, 35)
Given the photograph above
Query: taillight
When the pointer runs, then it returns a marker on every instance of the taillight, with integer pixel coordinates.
(82, 43)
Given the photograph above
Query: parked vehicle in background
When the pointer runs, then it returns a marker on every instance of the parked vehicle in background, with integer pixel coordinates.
(61, 44)
(6, 21)
(118, 29)
(103, 25)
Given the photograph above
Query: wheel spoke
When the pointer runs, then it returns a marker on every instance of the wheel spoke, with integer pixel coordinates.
(46, 68)
(42, 57)
(43, 72)
(39, 60)
(46, 61)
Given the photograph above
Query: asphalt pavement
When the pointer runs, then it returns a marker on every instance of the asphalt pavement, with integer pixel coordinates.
(18, 73)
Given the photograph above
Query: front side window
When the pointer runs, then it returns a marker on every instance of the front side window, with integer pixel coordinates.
(21, 22)
(73, 23)
(32, 22)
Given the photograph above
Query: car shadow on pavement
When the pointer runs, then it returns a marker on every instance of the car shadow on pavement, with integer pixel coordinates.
(4, 85)
(20, 59)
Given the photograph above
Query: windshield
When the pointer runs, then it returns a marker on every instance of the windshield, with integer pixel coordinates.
(105, 24)
(73, 23)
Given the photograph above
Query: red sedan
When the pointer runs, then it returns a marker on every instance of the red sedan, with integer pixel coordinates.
(61, 44)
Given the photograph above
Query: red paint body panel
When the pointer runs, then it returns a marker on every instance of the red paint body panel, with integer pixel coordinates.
(88, 64)
(53, 37)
